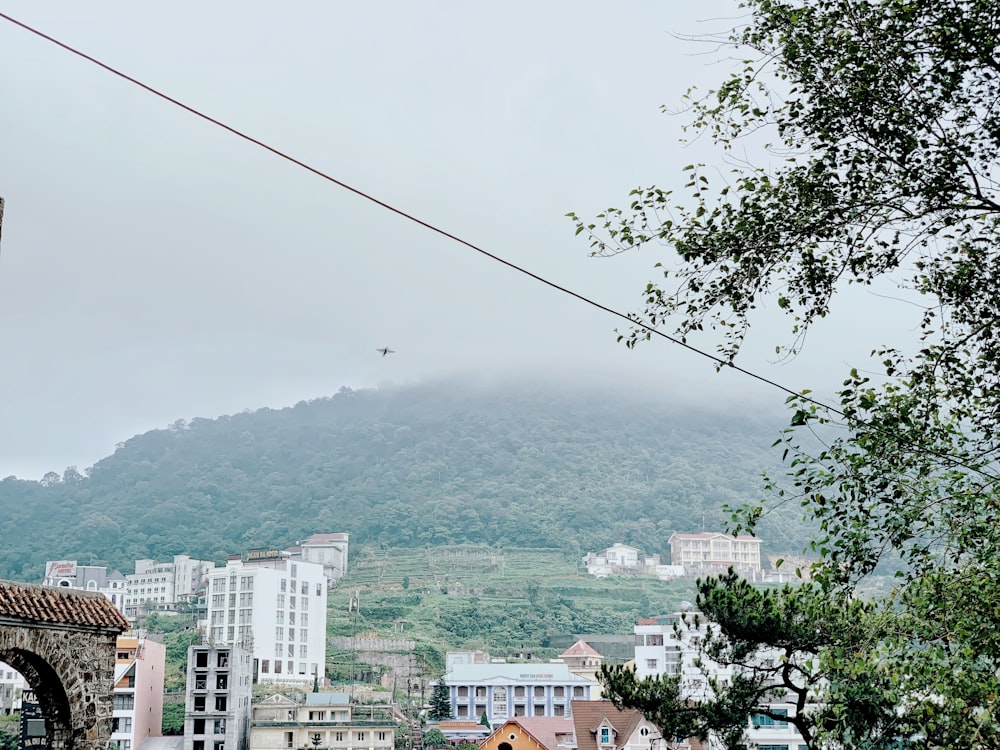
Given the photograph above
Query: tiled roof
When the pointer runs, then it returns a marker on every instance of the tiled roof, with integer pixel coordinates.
(580, 648)
(588, 716)
(58, 606)
(546, 729)
(325, 538)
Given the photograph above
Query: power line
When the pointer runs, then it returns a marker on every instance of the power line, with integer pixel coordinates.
(410, 217)
(632, 319)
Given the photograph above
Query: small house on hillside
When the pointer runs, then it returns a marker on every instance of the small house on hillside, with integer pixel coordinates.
(532, 733)
(620, 559)
(598, 725)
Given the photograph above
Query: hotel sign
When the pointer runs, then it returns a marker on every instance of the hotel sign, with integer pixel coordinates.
(264, 554)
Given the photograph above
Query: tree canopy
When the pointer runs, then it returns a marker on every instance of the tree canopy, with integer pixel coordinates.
(881, 120)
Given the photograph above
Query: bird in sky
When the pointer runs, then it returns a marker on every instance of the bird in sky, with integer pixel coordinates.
(386, 350)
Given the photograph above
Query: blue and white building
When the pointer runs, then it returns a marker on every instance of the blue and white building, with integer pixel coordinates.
(503, 691)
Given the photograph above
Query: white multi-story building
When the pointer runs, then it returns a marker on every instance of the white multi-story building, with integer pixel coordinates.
(161, 586)
(12, 684)
(217, 703)
(667, 645)
(276, 607)
(715, 551)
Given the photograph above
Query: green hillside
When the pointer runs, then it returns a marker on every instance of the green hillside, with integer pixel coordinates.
(530, 466)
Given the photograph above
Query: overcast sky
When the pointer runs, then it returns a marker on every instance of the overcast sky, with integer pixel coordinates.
(154, 267)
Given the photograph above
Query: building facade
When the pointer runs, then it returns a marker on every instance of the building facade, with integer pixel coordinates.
(327, 720)
(217, 702)
(716, 552)
(138, 692)
(328, 550)
(276, 608)
(503, 691)
(69, 574)
(157, 586)
(666, 645)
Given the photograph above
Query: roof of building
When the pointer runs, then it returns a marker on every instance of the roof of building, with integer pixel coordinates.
(544, 673)
(546, 730)
(324, 538)
(589, 715)
(714, 535)
(580, 648)
(59, 606)
(328, 699)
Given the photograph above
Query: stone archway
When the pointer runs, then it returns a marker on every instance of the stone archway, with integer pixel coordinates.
(63, 642)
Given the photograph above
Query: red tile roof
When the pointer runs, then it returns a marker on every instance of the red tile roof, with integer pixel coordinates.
(580, 648)
(588, 716)
(57, 606)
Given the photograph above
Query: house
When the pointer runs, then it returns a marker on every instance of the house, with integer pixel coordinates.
(137, 703)
(598, 725)
(618, 559)
(583, 661)
(457, 732)
(532, 733)
(327, 720)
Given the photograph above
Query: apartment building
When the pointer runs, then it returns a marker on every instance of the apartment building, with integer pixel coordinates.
(217, 703)
(667, 645)
(138, 692)
(276, 608)
(70, 574)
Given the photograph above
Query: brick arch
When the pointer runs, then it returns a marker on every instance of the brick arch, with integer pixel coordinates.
(63, 642)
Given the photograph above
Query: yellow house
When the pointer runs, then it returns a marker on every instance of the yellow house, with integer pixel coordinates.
(531, 733)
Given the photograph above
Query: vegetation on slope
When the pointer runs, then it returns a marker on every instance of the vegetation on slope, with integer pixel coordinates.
(428, 465)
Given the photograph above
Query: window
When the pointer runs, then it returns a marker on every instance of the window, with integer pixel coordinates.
(539, 710)
(319, 589)
(279, 616)
(760, 720)
(558, 691)
(220, 726)
(303, 635)
(302, 667)
(338, 736)
(305, 588)
(317, 716)
(246, 599)
(218, 585)
(222, 682)
(539, 691)
(199, 703)
(198, 745)
(651, 663)
(279, 650)
(284, 585)
(295, 572)
(303, 602)
(289, 739)
(281, 601)
(291, 602)
(360, 736)
(303, 652)
(246, 582)
(291, 634)
(578, 691)
(199, 726)
(223, 660)
(382, 736)
(201, 659)
(291, 618)
(291, 652)
(277, 666)
(519, 691)
(121, 724)
(124, 702)
(220, 703)
(232, 600)
(304, 620)
(279, 633)
(480, 692)
(605, 736)
(218, 601)
(265, 666)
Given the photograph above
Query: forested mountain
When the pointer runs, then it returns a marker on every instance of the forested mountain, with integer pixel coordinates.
(425, 465)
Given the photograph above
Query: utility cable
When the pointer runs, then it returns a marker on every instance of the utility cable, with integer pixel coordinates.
(632, 319)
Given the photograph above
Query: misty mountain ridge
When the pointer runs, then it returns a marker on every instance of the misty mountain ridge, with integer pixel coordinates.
(530, 464)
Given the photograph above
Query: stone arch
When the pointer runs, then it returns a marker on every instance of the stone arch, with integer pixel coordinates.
(63, 642)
